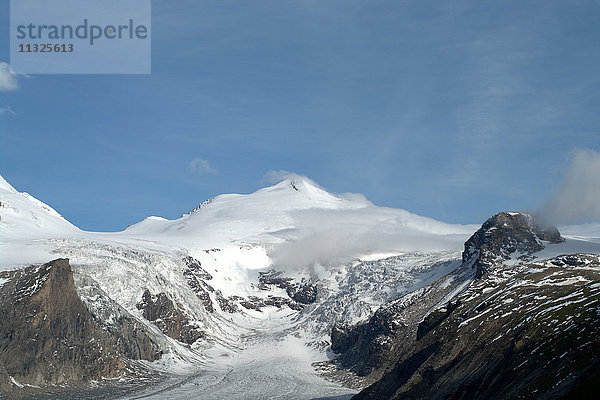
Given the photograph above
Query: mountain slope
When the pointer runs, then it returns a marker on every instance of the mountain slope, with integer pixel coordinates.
(295, 223)
(507, 323)
(292, 210)
(25, 217)
(203, 285)
(523, 332)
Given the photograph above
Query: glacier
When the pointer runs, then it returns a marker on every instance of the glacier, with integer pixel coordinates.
(358, 256)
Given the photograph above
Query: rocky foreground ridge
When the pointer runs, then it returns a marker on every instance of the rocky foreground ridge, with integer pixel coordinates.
(49, 339)
(505, 325)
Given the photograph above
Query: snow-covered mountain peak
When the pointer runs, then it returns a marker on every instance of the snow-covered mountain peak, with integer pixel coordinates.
(248, 218)
(294, 212)
(4, 185)
(291, 194)
(299, 184)
(24, 216)
(303, 192)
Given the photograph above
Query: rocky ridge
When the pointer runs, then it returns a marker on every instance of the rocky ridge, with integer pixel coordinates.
(523, 332)
(505, 326)
(169, 317)
(49, 340)
(506, 235)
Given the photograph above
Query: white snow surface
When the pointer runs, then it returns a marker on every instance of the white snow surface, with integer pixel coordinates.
(267, 369)
(589, 230)
(25, 217)
(580, 243)
(293, 211)
(294, 223)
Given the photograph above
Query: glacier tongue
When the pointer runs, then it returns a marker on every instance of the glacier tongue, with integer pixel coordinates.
(345, 294)
(247, 345)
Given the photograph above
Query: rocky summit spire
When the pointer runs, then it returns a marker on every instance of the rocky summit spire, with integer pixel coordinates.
(504, 236)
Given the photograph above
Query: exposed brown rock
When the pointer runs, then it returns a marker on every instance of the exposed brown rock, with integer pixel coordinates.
(303, 293)
(504, 234)
(228, 304)
(48, 337)
(169, 317)
(195, 266)
(196, 276)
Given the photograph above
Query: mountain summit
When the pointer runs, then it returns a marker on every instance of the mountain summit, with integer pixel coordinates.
(23, 216)
(506, 235)
(291, 210)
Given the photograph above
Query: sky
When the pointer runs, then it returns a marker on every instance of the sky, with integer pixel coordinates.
(452, 110)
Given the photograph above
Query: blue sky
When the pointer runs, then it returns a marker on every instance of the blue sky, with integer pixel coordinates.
(453, 110)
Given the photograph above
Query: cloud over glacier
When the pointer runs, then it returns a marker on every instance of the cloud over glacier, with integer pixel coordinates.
(330, 237)
(577, 198)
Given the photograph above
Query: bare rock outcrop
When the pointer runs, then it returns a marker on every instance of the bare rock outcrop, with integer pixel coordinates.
(169, 317)
(49, 338)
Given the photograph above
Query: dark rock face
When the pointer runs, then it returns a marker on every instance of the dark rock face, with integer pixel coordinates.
(196, 276)
(274, 278)
(195, 266)
(369, 347)
(257, 303)
(169, 317)
(504, 234)
(535, 334)
(300, 294)
(366, 346)
(199, 207)
(48, 337)
(436, 317)
(228, 304)
(304, 294)
(133, 338)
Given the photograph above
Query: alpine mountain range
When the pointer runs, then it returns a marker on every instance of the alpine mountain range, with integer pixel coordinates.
(297, 293)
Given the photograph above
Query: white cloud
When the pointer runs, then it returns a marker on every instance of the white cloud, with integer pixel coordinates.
(578, 196)
(202, 166)
(276, 176)
(8, 78)
(330, 237)
(7, 110)
(356, 198)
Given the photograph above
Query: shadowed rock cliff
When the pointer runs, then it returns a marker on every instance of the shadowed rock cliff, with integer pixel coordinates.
(48, 337)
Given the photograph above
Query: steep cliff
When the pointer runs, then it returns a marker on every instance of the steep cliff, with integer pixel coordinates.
(49, 339)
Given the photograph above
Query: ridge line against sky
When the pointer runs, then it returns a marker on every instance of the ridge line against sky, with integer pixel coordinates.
(453, 111)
